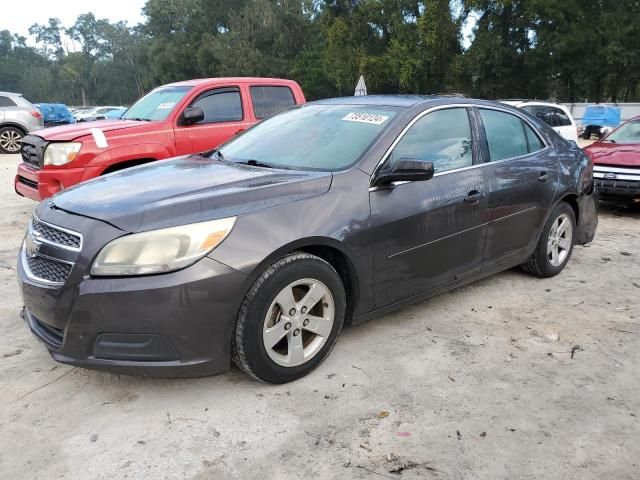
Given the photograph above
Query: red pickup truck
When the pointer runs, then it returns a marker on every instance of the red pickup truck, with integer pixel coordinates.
(175, 119)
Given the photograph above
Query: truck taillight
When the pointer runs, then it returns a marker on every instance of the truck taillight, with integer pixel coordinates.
(36, 114)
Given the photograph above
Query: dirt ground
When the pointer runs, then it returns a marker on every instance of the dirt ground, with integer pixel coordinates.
(480, 383)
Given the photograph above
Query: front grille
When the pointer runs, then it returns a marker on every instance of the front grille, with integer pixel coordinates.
(55, 235)
(618, 184)
(48, 269)
(51, 335)
(27, 182)
(31, 151)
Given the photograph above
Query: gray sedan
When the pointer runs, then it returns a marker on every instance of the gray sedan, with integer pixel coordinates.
(326, 214)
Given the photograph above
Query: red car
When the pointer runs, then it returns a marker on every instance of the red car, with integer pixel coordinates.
(616, 160)
(175, 119)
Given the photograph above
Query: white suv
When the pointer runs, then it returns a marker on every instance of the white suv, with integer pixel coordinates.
(555, 115)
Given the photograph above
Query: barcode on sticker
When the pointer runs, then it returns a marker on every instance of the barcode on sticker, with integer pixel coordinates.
(372, 118)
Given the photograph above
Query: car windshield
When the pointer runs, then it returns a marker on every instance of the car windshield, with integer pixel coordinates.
(157, 104)
(312, 137)
(627, 133)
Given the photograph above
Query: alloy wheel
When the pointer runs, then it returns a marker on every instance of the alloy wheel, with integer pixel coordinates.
(560, 240)
(298, 322)
(10, 141)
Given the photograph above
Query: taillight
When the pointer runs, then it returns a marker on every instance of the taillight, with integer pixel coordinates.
(36, 114)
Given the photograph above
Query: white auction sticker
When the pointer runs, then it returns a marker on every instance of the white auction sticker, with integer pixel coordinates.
(99, 138)
(165, 106)
(372, 118)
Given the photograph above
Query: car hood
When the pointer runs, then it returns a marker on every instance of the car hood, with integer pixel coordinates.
(615, 154)
(187, 190)
(66, 133)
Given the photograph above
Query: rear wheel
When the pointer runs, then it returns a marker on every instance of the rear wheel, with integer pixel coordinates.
(10, 140)
(290, 319)
(555, 244)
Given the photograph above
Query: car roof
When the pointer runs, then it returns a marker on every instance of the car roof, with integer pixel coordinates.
(406, 101)
(10, 94)
(218, 80)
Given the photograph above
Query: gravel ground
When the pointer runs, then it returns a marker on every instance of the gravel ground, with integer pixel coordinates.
(478, 383)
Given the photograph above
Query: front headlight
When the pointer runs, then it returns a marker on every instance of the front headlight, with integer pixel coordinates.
(161, 251)
(61, 153)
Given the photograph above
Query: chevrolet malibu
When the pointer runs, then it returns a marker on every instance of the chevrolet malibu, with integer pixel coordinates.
(323, 215)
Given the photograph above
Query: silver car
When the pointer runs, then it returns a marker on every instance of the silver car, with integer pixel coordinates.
(17, 117)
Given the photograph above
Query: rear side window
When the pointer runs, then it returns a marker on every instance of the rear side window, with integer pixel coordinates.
(6, 102)
(533, 139)
(270, 100)
(505, 133)
(220, 105)
(560, 118)
(442, 137)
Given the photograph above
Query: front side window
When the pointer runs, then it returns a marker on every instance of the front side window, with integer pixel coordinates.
(311, 137)
(270, 100)
(628, 133)
(505, 134)
(220, 105)
(157, 104)
(442, 137)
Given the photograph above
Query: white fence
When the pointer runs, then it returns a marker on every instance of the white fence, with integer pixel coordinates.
(627, 110)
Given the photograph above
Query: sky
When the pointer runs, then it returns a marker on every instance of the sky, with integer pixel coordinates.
(17, 16)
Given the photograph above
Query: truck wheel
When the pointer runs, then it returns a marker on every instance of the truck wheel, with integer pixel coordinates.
(555, 244)
(10, 140)
(290, 319)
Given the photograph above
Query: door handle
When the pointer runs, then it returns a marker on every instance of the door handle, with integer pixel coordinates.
(543, 177)
(474, 197)
(239, 131)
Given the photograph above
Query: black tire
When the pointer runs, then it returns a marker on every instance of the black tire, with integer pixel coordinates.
(248, 350)
(539, 263)
(13, 132)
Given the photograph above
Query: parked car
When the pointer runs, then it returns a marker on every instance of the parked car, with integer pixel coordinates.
(17, 117)
(599, 120)
(322, 215)
(93, 114)
(616, 159)
(55, 114)
(555, 115)
(117, 113)
(176, 119)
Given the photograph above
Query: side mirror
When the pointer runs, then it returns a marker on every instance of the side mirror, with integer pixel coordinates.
(192, 115)
(406, 170)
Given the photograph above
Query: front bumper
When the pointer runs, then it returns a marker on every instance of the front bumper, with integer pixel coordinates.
(40, 184)
(172, 325)
(617, 182)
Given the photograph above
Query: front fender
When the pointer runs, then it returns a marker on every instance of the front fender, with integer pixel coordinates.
(115, 155)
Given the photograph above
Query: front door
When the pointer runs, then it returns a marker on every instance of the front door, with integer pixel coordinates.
(430, 233)
(522, 172)
(224, 116)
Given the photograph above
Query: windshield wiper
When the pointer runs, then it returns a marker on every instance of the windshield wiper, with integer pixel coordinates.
(608, 140)
(138, 119)
(255, 163)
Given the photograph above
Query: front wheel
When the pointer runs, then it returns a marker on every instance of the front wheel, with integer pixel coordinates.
(290, 319)
(555, 244)
(10, 140)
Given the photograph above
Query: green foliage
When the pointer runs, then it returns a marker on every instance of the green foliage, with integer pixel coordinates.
(570, 49)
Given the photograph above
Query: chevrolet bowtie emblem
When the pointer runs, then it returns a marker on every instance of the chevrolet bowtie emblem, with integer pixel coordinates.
(32, 244)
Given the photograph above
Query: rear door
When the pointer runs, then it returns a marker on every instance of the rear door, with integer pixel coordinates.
(268, 100)
(522, 172)
(430, 233)
(224, 116)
